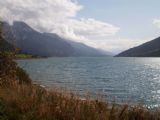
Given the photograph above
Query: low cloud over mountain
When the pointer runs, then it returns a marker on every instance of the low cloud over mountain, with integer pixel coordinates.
(58, 16)
(30, 41)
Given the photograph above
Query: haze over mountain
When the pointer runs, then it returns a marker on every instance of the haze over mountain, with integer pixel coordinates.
(82, 49)
(30, 41)
(149, 49)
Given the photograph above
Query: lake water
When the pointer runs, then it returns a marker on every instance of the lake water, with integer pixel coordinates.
(133, 80)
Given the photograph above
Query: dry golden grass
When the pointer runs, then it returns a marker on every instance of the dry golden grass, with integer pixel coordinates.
(31, 102)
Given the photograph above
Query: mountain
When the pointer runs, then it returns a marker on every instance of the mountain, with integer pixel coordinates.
(149, 49)
(85, 50)
(82, 49)
(30, 41)
(5, 46)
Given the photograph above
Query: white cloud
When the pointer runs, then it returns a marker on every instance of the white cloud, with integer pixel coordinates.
(54, 15)
(39, 13)
(156, 22)
(59, 16)
(85, 29)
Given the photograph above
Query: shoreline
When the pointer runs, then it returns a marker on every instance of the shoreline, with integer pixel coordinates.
(85, 97)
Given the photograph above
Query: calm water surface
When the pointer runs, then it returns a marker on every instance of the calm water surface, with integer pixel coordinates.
(133, 80)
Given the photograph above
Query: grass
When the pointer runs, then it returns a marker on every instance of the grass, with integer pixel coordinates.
(21, 56)
(27, 56)
(24, 56)
(22, 100)
(30, 102)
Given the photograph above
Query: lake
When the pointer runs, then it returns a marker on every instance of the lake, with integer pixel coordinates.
(133, 80)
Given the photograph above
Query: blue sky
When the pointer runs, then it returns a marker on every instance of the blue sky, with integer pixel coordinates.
(111, 25)
(134, 17)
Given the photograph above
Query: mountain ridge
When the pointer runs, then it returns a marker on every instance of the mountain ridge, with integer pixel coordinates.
(30, 41)
(148, 49)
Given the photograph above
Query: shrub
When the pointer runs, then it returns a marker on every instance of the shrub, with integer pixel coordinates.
(23, 77)
(7, 68)
(10, 72)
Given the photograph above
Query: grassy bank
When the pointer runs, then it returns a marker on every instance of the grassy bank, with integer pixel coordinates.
(22, 56)
(27, 56)
(21, 100)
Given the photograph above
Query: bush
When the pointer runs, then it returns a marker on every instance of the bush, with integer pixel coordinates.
(23, 77)
(10, 72)
(7, 68)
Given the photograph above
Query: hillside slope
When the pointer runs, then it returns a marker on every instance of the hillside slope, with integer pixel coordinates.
(5, 46)
(149, 49)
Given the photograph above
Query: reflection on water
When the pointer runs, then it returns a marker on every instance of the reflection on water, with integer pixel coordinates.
(135, 80)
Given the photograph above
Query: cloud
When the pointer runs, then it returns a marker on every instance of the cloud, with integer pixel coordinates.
(60, 16)
(39, 13)
(85, 29)
(156, 22)
(54, 16)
